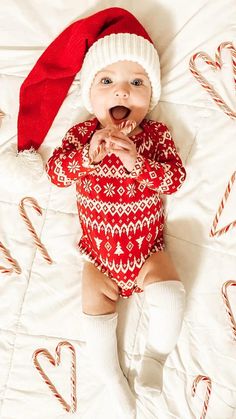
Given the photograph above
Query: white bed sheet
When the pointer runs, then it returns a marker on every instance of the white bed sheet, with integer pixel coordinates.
(42, 306)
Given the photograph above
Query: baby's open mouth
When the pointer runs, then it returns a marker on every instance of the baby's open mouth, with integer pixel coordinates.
(119, 113)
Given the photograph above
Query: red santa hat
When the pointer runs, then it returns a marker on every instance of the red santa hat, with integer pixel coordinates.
(87, 45)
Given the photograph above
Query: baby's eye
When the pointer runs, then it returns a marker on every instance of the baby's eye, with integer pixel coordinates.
(106, 80)
(137, 82)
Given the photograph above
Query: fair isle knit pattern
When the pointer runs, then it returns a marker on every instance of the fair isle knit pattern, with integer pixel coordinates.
(121, 213)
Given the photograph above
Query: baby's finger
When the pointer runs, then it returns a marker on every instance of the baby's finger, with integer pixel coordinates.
(111, 144)
(102, 135)
(116, 147)
(113, 148)
(124, 143)
(120, 153)
(122, 136)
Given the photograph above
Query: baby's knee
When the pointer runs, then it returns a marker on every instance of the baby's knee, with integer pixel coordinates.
(152, 277)
(98, 303)
(111, 290)
(159, 267)
(99, 293)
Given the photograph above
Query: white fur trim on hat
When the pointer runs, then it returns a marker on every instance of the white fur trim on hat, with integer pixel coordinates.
(117, 47)
(20, 170)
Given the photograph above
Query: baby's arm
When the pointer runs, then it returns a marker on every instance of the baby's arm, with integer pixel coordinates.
(165, 173)
(70, 161)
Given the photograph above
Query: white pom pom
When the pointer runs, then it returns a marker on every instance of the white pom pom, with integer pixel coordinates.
(20, 170)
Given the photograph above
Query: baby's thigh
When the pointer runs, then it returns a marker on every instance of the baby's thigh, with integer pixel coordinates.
(158, 267)
(99, 293)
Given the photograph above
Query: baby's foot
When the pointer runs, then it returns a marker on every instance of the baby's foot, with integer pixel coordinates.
(150, 378)
(121, 393)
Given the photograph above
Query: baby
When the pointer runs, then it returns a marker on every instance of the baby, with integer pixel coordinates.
(121, 163)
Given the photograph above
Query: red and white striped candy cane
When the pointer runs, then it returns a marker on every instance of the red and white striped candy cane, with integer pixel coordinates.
(99, 150)
(215, 65)
(228, 227)
(126, 127)
(208, 392)
(227, 45)
(15, 266)
(228, 306)
(30, 227)
(55, 362)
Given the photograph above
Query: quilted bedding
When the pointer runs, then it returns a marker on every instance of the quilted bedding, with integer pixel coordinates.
(40, 302)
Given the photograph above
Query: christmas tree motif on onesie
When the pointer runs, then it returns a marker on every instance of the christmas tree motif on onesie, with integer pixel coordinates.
(98, 242)
(139, 241)
(118, 250)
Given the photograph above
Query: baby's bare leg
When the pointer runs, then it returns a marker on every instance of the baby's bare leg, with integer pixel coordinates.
(158, 267)
(165, 297)
(99, 293)
(99, 297)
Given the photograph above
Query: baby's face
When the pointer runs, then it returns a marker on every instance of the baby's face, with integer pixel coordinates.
(119, 92)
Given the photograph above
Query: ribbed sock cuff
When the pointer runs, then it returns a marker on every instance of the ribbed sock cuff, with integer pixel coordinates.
(103, 325)
(167, 291)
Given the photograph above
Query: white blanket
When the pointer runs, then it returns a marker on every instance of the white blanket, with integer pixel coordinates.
(42, 306)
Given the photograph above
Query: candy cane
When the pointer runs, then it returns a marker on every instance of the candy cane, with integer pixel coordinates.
(55, 362)
(227, 305)
(223, 230)
(219, 63)
(13, 262)
(126, 127)
(96, 152)
(30, 227)
(215, 65)
(208, 392)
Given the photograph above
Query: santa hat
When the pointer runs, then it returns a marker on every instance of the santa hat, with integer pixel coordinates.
(89, 45)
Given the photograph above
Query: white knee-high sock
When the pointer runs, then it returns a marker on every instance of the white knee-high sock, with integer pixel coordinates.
(101, 345)
(166, 301)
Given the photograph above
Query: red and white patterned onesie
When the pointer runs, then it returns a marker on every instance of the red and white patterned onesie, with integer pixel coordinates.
(121, 213)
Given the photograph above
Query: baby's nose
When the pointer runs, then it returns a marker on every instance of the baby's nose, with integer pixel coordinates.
(122, 93)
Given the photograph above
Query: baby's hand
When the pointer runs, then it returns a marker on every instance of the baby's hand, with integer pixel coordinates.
(124, 148)
(106, 141)
(98, 145)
